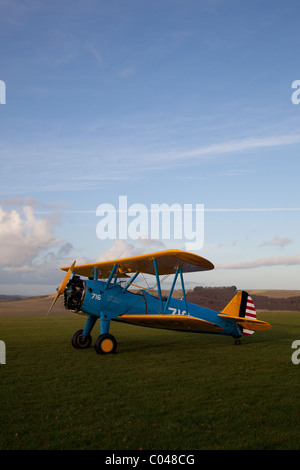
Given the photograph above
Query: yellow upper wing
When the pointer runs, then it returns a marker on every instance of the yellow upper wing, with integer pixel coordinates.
(168, 261)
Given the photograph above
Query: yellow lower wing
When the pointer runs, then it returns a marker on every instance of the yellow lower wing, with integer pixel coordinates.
(254, 325)
(171, 322)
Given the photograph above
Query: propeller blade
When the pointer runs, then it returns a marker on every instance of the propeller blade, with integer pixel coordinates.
(62, 287)
(66, 279)
(55, 299)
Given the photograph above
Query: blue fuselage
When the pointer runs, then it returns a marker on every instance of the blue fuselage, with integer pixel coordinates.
(98, 299)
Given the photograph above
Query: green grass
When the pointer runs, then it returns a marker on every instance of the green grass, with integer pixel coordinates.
(162, 390)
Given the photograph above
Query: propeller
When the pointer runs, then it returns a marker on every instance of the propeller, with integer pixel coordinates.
(62, 287)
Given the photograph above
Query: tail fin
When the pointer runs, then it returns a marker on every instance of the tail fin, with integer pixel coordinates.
(242, 306)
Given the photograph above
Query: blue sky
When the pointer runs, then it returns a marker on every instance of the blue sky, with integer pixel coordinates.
(173, 101)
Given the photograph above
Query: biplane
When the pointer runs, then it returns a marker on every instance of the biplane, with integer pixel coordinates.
(106, 294)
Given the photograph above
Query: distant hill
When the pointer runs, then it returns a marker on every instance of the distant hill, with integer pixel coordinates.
(8, 298)
(38, 305)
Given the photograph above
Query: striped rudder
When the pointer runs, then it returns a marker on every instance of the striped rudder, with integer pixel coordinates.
(250, 312)
(241, 306)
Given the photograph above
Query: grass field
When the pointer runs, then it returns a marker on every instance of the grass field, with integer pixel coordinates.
(162, 390)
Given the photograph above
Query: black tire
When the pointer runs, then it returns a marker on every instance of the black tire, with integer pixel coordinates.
(81, 342)
(105, 344)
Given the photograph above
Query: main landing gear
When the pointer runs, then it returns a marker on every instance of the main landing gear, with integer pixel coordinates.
(104, 344)
(79, 341)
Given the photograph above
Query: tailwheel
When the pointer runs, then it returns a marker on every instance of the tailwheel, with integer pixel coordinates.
(237, 341)
(105, 344)
(79, 341)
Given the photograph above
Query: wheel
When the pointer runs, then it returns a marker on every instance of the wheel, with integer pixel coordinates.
(105, 344)
(81, 342)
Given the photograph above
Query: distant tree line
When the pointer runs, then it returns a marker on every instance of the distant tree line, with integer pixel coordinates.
(216, 298)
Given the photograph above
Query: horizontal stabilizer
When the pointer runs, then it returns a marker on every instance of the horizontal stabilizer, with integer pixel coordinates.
(171, 322)
(249, 324)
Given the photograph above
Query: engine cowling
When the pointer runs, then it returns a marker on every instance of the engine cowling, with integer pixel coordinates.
(74, 294)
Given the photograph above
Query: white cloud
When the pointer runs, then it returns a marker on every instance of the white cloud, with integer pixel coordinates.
(23, 236)
(225, 147)
(257, 209)
(263, 262)
(122, 249)
(115, 159)
(245, 144)
(277, 241)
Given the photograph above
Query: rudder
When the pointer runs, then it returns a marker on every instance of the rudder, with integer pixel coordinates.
(241, 306)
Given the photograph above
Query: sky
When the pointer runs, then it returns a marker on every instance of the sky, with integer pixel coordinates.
(186, 102)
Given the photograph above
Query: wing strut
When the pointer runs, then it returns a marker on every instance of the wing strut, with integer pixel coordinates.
(158, 285)
(183, 292)
(111, 276)
(178, 271)
(130, 282)
(171, 291)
